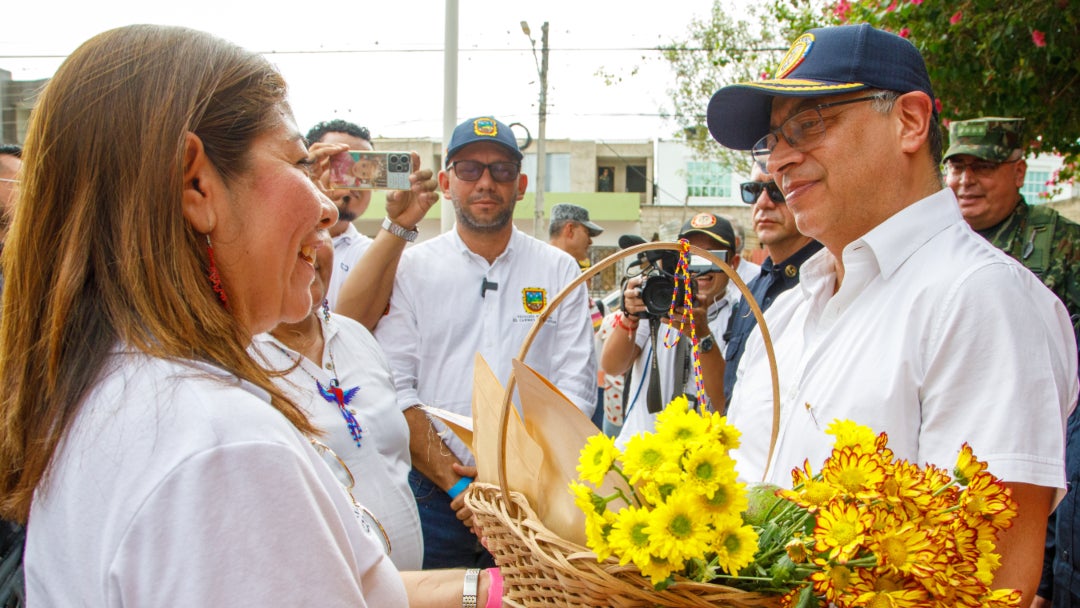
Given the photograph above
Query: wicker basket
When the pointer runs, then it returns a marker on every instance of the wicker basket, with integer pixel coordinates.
(542, 569)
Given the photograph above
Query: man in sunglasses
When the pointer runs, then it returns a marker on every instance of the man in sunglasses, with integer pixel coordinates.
(478, 288)
(906, 321)
(787, 249)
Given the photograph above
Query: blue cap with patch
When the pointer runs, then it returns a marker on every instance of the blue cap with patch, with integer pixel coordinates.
(823, 61)
(482, 128)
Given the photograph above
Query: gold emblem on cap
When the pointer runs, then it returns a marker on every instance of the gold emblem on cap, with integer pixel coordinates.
(485, 127)
(795, 55)
(790, 271)
(703, 220)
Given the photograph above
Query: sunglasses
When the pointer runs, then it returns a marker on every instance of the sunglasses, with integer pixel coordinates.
(752, 190)
(471, 170)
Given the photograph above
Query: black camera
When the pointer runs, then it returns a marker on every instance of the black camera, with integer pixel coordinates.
(656, 291)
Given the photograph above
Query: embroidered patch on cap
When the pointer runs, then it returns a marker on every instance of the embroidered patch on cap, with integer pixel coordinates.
(795, 55)
(485, 127)
(534, 299)
(703, 220)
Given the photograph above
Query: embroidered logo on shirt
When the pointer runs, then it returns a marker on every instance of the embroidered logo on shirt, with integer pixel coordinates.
(534, 299)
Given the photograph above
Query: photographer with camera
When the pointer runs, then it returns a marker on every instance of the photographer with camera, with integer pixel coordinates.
(643, 327)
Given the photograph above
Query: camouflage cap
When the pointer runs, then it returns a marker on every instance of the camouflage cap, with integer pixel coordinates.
(991, 138)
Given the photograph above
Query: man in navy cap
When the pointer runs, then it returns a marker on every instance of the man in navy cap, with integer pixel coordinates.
(476, 289)
(907, 321)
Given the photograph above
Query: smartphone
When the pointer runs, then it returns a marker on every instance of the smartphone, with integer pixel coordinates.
(370, 170)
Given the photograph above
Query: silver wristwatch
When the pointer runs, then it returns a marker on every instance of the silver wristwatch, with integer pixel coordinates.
(399, 231)
(707, 343)
(468, 594)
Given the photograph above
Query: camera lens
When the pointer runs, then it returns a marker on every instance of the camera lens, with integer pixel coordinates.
(656, 294)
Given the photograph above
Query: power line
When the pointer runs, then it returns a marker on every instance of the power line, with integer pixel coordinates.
(440, 50)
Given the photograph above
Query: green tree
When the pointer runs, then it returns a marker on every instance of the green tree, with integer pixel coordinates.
(985, 58)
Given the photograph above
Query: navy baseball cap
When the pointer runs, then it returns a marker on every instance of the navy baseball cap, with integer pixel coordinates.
(481, 128)
(823, 61)
(711, 225)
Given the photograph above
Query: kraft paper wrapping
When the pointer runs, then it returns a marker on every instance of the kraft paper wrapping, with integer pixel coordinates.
(523, 455)
(561, 430)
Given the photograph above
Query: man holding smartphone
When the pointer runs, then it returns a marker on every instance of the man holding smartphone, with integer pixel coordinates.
(631, 345)
(478, 288)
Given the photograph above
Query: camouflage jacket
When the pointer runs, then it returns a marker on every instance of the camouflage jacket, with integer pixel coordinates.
(1048, 244)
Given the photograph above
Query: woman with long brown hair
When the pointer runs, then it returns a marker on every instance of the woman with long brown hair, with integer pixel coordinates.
(166, 215)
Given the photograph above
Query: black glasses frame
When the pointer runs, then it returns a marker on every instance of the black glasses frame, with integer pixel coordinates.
(752, 190)
(801, 130)
(500, 170)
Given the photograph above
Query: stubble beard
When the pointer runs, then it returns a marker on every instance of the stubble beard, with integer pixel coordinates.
(473, 224)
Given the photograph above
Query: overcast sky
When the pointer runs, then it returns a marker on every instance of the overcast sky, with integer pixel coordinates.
(390, 75)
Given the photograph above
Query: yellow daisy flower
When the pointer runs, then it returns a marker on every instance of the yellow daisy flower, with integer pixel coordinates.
(707, 466)
(658, 569)
(967, 466)
(645, 454)
(596, 458)
(840, 531)
(858, 473)
(901, 549)
(987, 499)
(597, 528)
(629, 536)
(722, 433)
(891, 592)
(676, 530)
(679, 426)
(735, 546)
(809, 493)
(728, 500)
(851, 434)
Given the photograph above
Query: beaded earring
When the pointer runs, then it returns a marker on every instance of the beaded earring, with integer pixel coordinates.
(326, 310)
(215, 278)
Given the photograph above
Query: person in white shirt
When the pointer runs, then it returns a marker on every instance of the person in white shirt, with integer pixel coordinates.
(371, 262)
(155, 459)
(477, 289)
(361, 421)
(632, 343)
(907, 321)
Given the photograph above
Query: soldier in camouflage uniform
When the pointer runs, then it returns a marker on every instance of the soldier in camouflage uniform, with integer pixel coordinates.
(985, 167)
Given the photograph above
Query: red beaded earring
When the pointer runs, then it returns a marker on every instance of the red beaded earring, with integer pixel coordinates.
(215, 278)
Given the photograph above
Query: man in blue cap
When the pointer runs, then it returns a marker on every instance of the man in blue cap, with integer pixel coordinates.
(478, 288)
(907, 321)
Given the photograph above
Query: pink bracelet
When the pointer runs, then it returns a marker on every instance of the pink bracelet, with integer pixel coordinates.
(495, 588)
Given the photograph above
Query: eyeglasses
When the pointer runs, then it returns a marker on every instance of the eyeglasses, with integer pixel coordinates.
(981, 168)
(345, 477)
(471, 170)
(800, 131)
(752, 190)
(13, 181)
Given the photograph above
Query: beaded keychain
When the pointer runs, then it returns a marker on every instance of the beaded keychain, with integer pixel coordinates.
(682, 277)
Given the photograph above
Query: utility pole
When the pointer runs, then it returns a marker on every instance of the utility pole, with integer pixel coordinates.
(539, 227)
(450, 95)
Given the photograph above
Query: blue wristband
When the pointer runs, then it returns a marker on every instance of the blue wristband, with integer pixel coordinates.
(459, 487)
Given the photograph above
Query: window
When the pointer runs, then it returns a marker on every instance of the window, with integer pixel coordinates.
(605, 179)
(556, 172)
(1035, 183)
(709, 179)
(636, 178)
